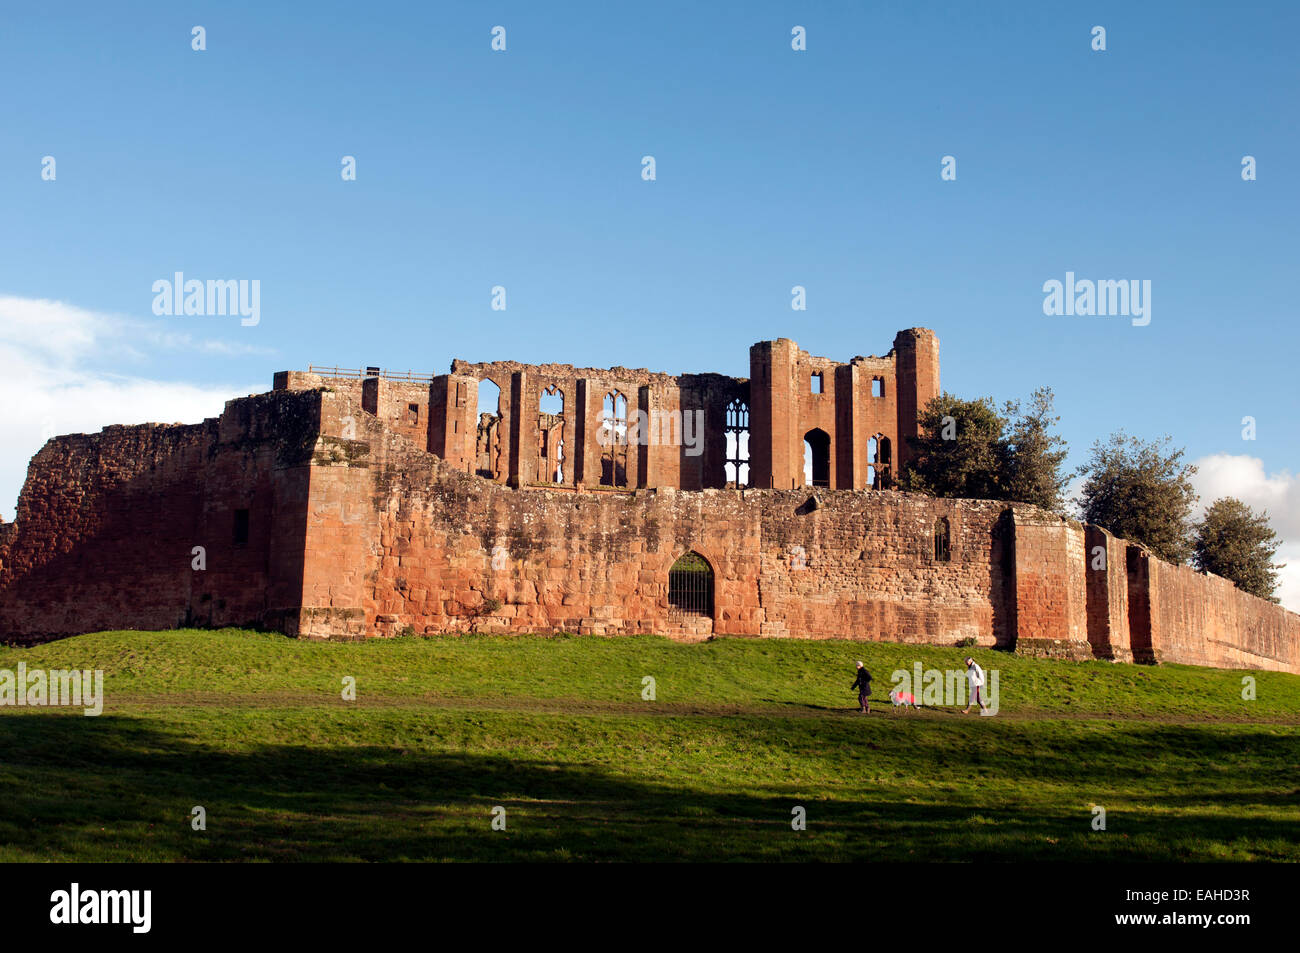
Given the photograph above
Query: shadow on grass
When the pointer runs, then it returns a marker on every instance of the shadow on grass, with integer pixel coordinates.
(119, 788)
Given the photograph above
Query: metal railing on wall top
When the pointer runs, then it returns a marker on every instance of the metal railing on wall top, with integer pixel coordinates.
(364, 372)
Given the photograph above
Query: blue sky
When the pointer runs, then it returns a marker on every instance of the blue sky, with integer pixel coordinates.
(775, 168)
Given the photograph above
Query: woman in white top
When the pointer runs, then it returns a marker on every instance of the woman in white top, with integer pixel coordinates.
(975, 676)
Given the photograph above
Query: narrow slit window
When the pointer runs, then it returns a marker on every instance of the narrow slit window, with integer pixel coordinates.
(942, 540)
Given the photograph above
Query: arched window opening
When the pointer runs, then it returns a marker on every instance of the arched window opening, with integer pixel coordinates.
(817, 458)
(550, 443)
(558, 475)
(613, 439)
(737, 431)
(942, 540)
(487, 450)
(551, 401)
(489, 398)
(879, 475)
(690, 586)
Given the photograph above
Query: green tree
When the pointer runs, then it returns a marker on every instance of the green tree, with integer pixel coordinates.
(1235, 542)
(1034, 454)
(1140, 490)
(968, 448)
(960, 451)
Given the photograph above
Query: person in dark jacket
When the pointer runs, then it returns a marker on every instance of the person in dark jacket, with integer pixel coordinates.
(863, 684)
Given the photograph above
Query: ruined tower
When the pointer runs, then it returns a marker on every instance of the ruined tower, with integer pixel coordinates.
(842, 426)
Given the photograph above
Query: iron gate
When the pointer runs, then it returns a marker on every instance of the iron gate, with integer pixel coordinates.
(690, 586)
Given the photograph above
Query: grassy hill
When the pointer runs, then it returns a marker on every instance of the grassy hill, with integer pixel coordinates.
(554, 729)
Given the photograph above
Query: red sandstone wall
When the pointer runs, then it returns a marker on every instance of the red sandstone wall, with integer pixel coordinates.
(304, 380)
(417, 539)
(341, 535)
(452, 429)
(7, 533)
(1107, 595)
(916, 352)
(1051, 590)
(584, 390)
(785, 409)
(357, 531)
(1138, 582)
(403, 406)
(857, 566)
(107, 523)
(862, 565)
(1199, 619)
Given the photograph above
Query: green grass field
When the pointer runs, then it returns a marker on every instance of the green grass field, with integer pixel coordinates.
(554, 729)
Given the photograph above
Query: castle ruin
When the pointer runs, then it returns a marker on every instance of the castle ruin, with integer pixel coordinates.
(344, 505)
(567, 428)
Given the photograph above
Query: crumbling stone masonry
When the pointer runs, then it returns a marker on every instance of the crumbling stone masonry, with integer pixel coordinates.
(545, 426)
(351, 507)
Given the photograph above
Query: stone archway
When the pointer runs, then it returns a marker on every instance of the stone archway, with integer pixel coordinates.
(817, 458)
(690, 587)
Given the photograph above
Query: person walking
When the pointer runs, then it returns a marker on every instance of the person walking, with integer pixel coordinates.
(975, 677)
(863, 684)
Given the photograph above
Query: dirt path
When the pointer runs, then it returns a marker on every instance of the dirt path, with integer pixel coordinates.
(767, 708)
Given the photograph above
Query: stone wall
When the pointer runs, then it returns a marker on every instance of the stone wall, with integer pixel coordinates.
(107, 524)
(1107, 595)
(352, 529)
(528, 447)
(1051, 592)
(397, 540)
(548, 424)
(1200, 619)
(861, 411)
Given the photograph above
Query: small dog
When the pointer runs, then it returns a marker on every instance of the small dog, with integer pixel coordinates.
(906, 699)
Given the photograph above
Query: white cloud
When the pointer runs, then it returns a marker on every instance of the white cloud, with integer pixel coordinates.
(1242, 476)
(62, 374)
